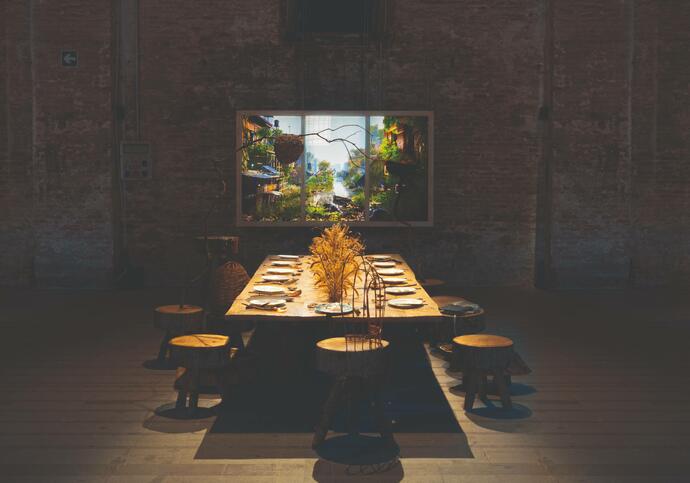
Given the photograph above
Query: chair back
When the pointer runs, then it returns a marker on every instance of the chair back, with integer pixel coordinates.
(373, 298)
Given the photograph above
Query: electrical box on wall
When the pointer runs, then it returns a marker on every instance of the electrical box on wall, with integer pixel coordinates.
(135, 160)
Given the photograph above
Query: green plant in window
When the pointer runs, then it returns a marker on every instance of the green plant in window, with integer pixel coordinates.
(288, 205)
(389, 151)
(321, 181)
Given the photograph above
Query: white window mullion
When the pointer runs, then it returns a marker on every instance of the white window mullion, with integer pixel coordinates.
(303, 175)
(367, 148)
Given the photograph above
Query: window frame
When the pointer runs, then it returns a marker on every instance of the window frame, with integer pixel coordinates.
(239, 222)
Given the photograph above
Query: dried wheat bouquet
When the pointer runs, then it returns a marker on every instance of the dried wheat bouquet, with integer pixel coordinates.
(334, 262)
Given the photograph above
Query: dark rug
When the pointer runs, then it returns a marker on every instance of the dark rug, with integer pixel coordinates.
(275, 416)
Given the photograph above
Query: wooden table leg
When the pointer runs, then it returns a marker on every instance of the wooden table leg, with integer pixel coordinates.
(328, 411)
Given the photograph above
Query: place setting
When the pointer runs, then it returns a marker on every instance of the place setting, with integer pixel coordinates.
(267, 303)
(332, 308)
(390, 271)
(397, 290)
(281, 279)
(406, 303)
(283, 271)
(275, 290)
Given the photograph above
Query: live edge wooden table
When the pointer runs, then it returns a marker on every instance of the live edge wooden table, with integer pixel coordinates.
(301, 310)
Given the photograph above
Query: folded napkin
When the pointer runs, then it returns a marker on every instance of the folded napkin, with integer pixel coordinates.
(461, 307)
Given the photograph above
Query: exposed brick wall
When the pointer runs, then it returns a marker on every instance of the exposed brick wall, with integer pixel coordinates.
(57, 198)
(619, 170)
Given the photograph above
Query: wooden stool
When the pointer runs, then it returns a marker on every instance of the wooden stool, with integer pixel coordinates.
(431, 285)
(480, 355)
(461, 324)
(176, 320)
(353, 365)
(197, 352)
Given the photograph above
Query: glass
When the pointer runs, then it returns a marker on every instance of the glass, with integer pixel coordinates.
(271, 191)
(335, 170)
(398, 170)
(354, 168)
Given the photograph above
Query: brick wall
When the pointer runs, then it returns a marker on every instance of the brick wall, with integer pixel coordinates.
(56, 195)
(617, 152)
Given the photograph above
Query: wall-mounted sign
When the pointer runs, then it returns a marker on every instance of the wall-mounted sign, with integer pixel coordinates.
(135, 160)
(69, 58)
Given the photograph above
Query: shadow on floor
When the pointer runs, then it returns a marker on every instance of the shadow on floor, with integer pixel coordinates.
(358, 457)
(274, 417)
(156, 365)
(493, 416)
(169, 419)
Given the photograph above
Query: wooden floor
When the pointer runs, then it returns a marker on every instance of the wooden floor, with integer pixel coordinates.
(608, 401)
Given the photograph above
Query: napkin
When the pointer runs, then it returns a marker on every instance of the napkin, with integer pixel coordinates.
(461, 307)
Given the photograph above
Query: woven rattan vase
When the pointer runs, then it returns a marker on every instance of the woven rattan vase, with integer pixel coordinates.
(288, 148)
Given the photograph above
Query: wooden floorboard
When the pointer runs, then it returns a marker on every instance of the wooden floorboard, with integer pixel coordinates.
(608, 399)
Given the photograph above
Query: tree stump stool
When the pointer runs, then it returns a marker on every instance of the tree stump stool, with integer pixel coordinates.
(176, 320)
(355, 365)
(432, 285)
(209, 353)
(480, 355)
(459, 324)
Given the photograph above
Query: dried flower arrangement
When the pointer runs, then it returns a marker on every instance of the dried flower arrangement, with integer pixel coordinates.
(335, 262)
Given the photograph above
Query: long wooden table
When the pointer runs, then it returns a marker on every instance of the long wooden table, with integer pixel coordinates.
(301, 308)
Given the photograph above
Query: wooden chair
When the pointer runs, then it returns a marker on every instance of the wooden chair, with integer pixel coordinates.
(358, 363)
(176, 320)
(481, 355)
(195, 353)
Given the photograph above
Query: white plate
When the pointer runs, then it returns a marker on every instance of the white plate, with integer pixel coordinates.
(283, 263)
(281, 270)
(394, 280)
(269, 289)
(289, 257)
(384, 264)
(380, 258)
(275, 278)
(400, 290)
(333, 308)
(391, 271)
(405, 303)
(259, 302)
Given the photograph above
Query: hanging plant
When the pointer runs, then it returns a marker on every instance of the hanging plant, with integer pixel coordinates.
(288, 148)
